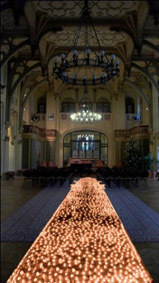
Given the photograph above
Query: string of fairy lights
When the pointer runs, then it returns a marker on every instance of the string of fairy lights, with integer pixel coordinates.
(84, 241)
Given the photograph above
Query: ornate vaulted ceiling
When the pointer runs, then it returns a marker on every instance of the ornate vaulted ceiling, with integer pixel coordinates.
(34, 32)
(106, 37)
(72, 9)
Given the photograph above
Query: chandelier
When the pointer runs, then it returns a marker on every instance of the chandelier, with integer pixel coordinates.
(86, 63)
(86, 114)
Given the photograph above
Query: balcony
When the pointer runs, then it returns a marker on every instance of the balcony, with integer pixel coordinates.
(43, 133)
(141, 130)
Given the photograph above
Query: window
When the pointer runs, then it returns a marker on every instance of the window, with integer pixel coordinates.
(86, 141)
(41, 105)
(103, 106)
(68, 105)
(85, 104)
(129, 105)
(85, 144)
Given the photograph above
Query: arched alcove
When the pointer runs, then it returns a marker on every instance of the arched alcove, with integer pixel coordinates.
(85, 144)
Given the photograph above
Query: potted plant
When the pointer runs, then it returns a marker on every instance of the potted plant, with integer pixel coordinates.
(157, 172)
(150, 165)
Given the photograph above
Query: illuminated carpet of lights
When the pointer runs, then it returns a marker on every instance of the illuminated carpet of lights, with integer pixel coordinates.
(84, 241)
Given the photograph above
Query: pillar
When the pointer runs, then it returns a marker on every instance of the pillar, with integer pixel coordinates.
(154, 144)
(6, 152)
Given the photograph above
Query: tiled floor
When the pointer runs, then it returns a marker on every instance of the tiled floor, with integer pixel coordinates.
(14, 195)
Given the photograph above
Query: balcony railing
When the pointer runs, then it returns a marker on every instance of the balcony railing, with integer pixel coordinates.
(138, 130)
(44, 133)
(132, 117)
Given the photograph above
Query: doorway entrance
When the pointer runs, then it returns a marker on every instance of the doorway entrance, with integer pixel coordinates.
(85, 145)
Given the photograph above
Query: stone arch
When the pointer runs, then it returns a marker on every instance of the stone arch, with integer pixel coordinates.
(148, 76)
(88, 145)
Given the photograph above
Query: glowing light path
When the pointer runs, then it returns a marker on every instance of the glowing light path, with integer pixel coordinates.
(84, 241)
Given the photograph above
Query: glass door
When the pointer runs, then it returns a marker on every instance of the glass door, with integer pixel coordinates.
(82, 149)
(96, 149)
(86, 145)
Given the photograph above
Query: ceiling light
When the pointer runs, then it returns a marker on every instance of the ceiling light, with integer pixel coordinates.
(86, 113)
(86, 63)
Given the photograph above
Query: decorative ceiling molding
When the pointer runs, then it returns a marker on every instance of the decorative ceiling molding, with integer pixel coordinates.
(32, 89)
(154, 10)
(106, 37)
(151, 45)
(145, 71)
(17, 71)
(39, 26)
(99, 9)
(9, 48)
(47, 27)
(12, 15)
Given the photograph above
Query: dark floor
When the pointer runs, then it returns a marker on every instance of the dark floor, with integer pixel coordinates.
(14, 195)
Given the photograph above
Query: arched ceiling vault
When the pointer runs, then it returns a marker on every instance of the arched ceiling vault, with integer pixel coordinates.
(32, 88)
(145, 72)
(34, 32)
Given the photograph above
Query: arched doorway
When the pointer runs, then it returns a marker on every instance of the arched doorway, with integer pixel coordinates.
(85, 144)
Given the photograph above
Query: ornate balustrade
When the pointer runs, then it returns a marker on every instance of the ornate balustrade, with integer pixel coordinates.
(138, 130)
(44, 133)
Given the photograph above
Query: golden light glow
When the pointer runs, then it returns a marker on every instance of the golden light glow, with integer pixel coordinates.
(84, 241)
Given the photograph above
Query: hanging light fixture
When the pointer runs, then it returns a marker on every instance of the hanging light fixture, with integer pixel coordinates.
(86, 63)
(86, 113)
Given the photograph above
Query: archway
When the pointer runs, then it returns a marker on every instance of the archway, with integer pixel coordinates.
(85, 145)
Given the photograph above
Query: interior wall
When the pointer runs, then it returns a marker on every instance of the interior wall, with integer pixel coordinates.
(4, 132)
(110, 122)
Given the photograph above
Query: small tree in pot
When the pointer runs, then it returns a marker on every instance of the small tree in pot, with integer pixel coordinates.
(150, 164)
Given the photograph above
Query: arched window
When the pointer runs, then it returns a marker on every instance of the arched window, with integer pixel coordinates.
(85, 103)
(68, 105)
(103, 105)
(41, 105)
(129, 105)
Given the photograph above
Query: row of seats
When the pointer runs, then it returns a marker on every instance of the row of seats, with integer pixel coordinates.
(45, 164)
(122, 176)
(45, 175)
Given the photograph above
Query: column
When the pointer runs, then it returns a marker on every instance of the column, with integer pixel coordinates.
(6, 151)
(154, 144)
(94, 99)
(76, 100)
(155, 97)
(118, 116)
(118, 106)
